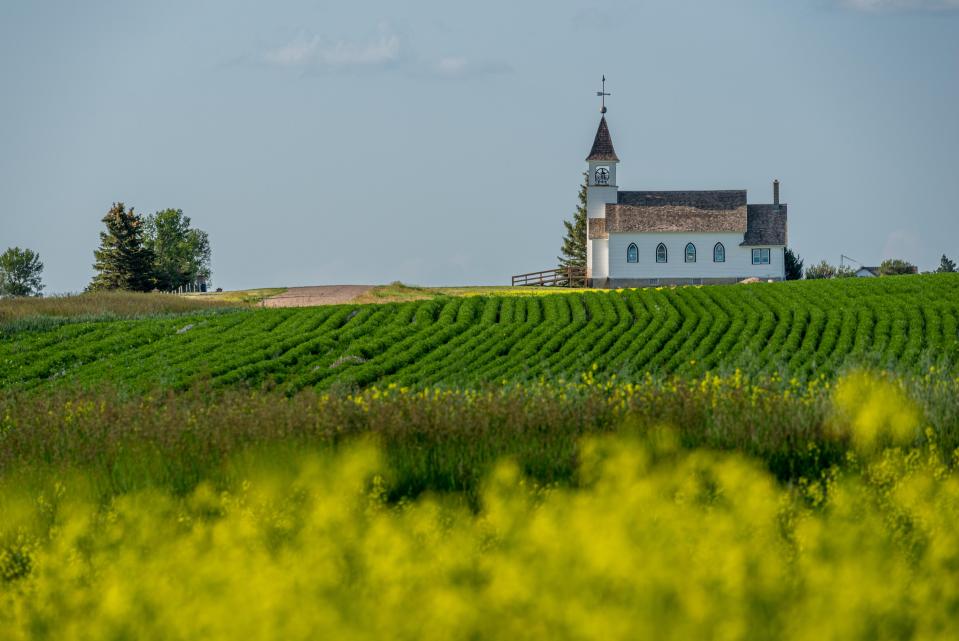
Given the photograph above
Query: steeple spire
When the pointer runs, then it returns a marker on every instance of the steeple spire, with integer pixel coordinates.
(603, 144)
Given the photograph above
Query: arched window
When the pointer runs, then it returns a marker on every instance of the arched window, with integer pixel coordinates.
(660, 253)
(690, 253)
(719, 253)
(632, 253)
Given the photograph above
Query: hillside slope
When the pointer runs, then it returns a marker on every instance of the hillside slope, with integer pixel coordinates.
(799, 329)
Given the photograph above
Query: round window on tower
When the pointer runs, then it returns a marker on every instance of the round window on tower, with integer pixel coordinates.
(601, 176)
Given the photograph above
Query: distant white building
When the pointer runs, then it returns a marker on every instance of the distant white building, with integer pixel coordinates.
(641, 238)
(867, 272)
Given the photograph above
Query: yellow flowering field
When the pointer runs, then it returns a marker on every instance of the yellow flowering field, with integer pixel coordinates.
(652, 540)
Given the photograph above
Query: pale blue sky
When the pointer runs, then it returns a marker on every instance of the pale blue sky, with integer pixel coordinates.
(442, 143)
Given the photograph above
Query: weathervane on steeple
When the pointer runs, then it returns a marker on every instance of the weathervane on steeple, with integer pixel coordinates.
(602, 94)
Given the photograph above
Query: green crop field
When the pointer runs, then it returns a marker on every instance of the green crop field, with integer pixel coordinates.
(768, 461)
(541, 511)
(799, 330)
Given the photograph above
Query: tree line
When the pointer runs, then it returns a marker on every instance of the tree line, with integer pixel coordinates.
(889, 267)
(161, 251)
(573, 252)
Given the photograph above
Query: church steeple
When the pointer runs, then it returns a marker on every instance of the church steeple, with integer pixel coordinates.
(601, 190)
(603, 144)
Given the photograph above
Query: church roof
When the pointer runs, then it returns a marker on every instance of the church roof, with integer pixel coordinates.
(716, 199)
(766, 225)
(678, 211)
(602, 144)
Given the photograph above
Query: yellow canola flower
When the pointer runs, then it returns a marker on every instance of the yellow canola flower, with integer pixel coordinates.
(653, 543)
(877, 411)
(650, 542)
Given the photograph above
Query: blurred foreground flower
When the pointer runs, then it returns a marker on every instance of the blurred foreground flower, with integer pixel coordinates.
(876, 411)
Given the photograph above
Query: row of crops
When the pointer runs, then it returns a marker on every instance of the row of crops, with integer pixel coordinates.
(797, 330)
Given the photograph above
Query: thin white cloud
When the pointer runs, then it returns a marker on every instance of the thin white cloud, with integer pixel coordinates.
(317, 52)
(876, 6)
(313, 53)
(292, 54)
(385, 50)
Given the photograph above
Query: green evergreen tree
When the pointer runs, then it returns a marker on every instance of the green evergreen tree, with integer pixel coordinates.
(122, 261)
(574, 243)
(794, 265)
(946, 266)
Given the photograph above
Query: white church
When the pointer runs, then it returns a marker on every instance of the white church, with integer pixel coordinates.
(644, 238)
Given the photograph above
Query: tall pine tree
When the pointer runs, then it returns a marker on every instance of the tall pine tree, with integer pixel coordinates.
(946, 266)
(574, 243)
(122, 261)
(794, 265)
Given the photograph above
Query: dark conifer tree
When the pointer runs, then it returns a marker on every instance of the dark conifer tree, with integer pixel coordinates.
(946, 265)
(574, 243)
(122, 261)
(794, 265)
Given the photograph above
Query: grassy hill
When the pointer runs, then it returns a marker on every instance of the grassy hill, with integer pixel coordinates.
(799, 329)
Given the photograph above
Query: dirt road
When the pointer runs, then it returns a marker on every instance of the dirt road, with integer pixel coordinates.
(310, 296)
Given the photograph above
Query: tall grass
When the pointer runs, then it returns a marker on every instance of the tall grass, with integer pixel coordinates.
(102, 305)
(441, 439)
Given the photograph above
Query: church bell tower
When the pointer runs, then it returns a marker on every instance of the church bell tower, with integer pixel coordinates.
(601, 190)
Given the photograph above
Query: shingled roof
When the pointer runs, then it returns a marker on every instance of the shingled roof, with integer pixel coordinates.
(766, 225)
(711, 200)
(602, 144)
(678, 211)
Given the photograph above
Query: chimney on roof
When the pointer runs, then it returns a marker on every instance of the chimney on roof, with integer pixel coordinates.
(776, 192)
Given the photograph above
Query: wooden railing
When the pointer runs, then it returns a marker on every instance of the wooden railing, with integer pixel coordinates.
(189, 288)
(559, 277)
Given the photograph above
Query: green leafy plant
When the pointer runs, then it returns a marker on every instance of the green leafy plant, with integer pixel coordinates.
(20, 273)
(820, 271)
(181, 254)
(798, 329)
(845, 271)
(895, 267)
